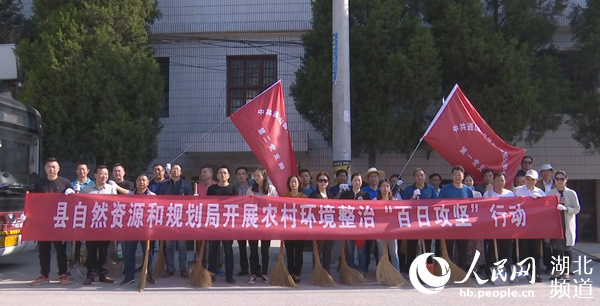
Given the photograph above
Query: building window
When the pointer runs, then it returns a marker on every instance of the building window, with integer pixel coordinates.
(163, 63)
(247, 76)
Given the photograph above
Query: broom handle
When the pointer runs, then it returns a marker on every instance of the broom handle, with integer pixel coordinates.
(444, 248)
(386, 250)
(73, 252)
(517, 249)
(202, 247)
(316, 252)
(495, 250)
(144, 273)
(281, 248)
(423, 246)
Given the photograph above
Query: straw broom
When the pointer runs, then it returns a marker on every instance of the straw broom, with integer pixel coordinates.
(200, 277)
(349, 276)
(456, 273)
(320, 277)
(280, 275)
(144, 273)
(386, 272)
(159, 265)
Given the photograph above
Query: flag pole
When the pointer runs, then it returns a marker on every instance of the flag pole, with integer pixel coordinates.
(197, 141)
(439, 113)
(411, 156)
(218, 125)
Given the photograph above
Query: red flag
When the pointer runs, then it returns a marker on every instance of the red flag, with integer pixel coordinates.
(462, 137)
(263, 124)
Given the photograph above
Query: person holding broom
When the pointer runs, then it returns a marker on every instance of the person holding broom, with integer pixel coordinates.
(457, 190)
(322, 192)
(294, 248)
(385, 193)
(504, 247)
(130, 247)
(222, 188)
(420, 190)
(356, 193)
(261, 187)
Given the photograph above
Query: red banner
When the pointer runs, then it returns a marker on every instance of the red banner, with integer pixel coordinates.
(263, 124)
(462, 137)
(129, 217)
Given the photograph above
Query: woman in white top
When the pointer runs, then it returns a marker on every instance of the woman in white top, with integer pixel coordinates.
(469, 180)
(569, 207)
(261, 187)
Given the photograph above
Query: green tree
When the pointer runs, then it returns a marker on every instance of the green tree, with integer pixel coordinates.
(393, 71)
(498, 52)
(585, 111)
(12, 21)
(93, 77)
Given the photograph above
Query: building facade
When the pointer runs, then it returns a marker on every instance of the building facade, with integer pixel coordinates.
(216, 55)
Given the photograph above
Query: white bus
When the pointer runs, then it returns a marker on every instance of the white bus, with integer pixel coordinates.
(20, 149)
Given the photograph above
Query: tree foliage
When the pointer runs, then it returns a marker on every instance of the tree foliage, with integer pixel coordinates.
(12, 21)
(499, 52)
(393, 75)
(402, 52)
(585, 112)
(93, 78)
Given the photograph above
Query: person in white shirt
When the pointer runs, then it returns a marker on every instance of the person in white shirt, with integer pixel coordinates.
(505, 246)
(531, 247)
(569, 207)
(547, 182)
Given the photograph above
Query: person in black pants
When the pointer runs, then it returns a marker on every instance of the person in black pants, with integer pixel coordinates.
(322, 192)
(98, 250)
(242, 186)
(52, 183)
(294, 248)
(222, 188)
(261, 187)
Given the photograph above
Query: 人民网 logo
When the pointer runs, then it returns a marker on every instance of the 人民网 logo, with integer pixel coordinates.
(419, 273)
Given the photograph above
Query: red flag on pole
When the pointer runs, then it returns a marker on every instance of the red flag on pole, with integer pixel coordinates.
(263, 124)
(462, 137)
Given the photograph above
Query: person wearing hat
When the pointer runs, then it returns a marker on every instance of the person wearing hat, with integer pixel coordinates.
(531, 247)
(547, 182)
(373, 177)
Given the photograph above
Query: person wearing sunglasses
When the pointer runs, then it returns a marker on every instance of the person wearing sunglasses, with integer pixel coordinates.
(526, 165)
(569, 207)
(322, 192)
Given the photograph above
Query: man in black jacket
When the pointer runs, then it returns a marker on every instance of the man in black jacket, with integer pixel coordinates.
(176, 186)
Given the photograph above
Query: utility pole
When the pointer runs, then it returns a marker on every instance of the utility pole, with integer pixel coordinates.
(341, 135)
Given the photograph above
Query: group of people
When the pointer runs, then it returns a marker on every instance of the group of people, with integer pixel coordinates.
(349, 186)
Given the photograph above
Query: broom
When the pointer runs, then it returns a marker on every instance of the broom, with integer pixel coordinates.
(320, 277)
(456, 273)
(115, 266)
(159, 265)
(280, 275)
(144, 273)
(200, 277)
(386, 272)
(349, 276)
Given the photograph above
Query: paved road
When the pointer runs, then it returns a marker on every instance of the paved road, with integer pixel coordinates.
(17, 271)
